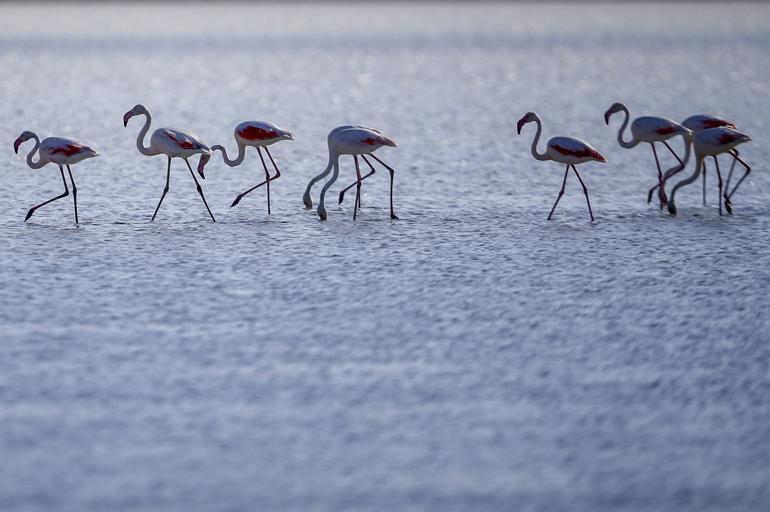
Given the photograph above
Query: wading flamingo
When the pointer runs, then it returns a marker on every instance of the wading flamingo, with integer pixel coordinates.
(711, 142)
(355, 141)
(62, 152)
(257, 134)
(699, 123)
(650, 130)
(564, 150)
(173, 143)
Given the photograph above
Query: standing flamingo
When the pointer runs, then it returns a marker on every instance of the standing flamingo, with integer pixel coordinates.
(62, 152)
(711, 142)
(258, 134)
(173, 143)
(565, 150)
(650, 130)
(355, 141)
(699, 123)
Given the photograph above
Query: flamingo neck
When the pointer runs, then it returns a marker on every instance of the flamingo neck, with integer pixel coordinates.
(40, 163)
(145, 150)
(306, 196)
(239, 158)
(536, 140)
(631, 143)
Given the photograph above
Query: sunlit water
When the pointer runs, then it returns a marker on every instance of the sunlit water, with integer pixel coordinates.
(471, 356)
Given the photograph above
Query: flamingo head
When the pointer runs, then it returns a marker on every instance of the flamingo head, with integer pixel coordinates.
(287, 135)
(528, 118)
(615, 108)
(202, 163)
(137, 110)
(25, 136)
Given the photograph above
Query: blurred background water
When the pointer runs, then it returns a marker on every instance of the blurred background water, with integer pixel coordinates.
(471, 356)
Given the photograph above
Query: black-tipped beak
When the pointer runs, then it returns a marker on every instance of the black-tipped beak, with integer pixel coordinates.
(520, 124)
(16, 145)
(128, 115)
(607, 117)
(202, 163)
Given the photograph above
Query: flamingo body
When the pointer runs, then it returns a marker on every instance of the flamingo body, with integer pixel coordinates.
(63, 151)
(700, 122)
(260, 133)
(654, 129)
(569, 150)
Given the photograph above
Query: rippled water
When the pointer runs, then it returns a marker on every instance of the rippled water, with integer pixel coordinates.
(471, 356)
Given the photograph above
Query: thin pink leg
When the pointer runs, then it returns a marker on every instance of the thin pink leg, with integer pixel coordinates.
(342, 193)
(561, 193)
(585, 191)
(65, 194)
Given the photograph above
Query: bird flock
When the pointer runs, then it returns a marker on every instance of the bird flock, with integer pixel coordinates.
(704, 135)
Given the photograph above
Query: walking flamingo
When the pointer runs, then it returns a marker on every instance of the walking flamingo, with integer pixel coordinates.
(565, 150)
(173, 143)
(62, 152)
(699, 123)
(650, 130)
(711, 142)
(356, 141)
(257, 134)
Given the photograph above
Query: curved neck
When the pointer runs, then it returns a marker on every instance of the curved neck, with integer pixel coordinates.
(39, 163)
(306, 196)
(535, 141)
(239, 158)
(631, 143)
(145, 150)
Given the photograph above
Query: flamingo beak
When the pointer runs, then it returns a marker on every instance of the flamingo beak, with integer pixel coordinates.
(521, 124)
(128, 115)
(288, 135)
(16, 145)
(607, 117)
(390, 142)
(202, 163)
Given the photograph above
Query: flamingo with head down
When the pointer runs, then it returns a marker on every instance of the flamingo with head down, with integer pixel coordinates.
(356, 141)
(257, 134)
(697, 124)
(565, 150)
(173, 143)
(62, 152)
(711, 142)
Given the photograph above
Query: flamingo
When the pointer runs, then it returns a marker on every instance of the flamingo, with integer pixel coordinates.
(699, 123)
(62, 152)
(711, 142)
(650, 130)
(258, 134)
(173, 143)
(356, 141)
(564, 150)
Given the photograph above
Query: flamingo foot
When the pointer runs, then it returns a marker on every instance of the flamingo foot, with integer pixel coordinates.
(393, 216)
(29, 214)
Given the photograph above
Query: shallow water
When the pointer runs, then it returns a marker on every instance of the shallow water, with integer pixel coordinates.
(471, 356)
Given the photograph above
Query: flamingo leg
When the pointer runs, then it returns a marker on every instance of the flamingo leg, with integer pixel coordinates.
(561, 192)
(358, 188)
(748, 170)
(342, 193)
(704, 183)
(200, 190)
(165, 189)
(74, 193)
(661, 192)
(734, 153)
(392, 176)
(65, 194)
(585, 191)
(267, 181)
(669, 173)
(719, 178)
